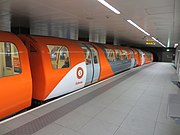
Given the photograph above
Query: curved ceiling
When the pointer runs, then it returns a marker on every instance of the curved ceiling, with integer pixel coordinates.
(160, 18)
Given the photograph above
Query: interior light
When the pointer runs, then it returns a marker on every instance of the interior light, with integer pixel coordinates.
(158, 42)
(175, 45)
(167, 50)
(109, 6)
(135, 25)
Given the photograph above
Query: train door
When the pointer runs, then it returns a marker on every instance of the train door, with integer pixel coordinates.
(142, 57)
(96, 65)
(133, 61)
(92, 63)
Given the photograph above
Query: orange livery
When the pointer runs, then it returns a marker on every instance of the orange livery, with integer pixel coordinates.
(42, 68)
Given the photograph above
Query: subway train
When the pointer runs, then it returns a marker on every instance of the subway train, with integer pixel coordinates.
(42, 68)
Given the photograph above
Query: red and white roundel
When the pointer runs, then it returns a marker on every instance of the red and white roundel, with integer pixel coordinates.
(79, 72)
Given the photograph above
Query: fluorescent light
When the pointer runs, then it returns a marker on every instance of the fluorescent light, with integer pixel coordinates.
(109, 6)
(158, 42)
(135, 25)
(169, 39)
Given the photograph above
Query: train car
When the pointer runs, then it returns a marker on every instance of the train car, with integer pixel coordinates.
(15, 75)
(57, 66)
(47, 67)
(60, 66)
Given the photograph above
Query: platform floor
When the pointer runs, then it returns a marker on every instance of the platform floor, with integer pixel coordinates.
(136, 105)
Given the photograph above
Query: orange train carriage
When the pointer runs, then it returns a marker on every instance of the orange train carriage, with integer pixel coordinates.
(46, 67)
(15, 75)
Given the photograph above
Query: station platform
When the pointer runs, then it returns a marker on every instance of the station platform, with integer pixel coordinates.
(131, 103)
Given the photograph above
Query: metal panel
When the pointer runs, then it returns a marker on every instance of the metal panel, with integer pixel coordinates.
(174, 106)
(121, 65)
(89, 74)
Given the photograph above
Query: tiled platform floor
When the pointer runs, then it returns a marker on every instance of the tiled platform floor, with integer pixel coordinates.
(136, 106)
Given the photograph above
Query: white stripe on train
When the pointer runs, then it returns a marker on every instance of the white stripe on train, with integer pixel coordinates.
(70, 79)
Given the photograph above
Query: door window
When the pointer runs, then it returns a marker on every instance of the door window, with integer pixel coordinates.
(95, 55)
(87, 55)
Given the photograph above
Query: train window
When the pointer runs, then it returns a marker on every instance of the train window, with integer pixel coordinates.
(121, 54)
(118, 55)
(59, 56)
(95, 55)
(87, 55)
(132, 54)
(110, 55)
(124, 53)
(9, 60)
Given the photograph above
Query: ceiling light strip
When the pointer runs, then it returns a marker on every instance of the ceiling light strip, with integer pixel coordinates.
(158, 42)
(135, 25)
(109, 6)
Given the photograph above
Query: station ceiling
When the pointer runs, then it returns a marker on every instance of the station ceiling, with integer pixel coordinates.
(160, 18)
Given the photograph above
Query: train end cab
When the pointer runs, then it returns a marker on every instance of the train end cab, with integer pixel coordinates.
(15, 75)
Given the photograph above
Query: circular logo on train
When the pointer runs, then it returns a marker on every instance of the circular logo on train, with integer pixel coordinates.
(79, 72)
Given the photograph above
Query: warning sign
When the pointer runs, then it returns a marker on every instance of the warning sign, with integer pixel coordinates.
(17, 65)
